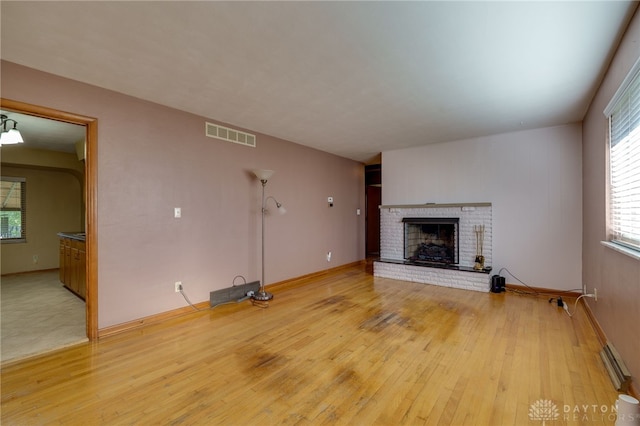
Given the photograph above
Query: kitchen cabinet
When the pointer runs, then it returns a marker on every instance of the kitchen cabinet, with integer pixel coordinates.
(80, 267)
(63, 260)
(73, 255)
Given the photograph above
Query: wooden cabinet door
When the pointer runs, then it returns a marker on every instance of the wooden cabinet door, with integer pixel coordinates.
(62, 261)
(73, 266)
(81, 273)
(67, 262)
(73, 270)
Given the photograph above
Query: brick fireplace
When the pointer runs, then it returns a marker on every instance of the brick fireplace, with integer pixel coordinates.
(428, 257)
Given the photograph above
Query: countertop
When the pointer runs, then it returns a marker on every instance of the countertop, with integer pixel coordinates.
(80, 236)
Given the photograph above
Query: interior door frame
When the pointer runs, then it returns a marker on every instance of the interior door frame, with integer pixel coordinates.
(91, 197)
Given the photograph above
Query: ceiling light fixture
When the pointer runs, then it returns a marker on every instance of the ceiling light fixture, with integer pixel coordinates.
(9, 136)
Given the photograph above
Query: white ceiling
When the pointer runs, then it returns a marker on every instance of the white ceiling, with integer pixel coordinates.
(350, 78)
(51, 135)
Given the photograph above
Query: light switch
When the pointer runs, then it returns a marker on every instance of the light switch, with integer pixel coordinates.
(177, 212)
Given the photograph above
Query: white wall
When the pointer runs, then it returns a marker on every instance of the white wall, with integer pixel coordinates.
(532, 178)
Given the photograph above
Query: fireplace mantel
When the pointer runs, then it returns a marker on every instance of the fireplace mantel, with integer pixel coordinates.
(434, 205)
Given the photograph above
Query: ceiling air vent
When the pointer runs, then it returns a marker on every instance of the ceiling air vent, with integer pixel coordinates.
(230, 135)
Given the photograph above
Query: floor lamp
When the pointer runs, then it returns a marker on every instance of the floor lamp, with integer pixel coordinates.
(264, 176)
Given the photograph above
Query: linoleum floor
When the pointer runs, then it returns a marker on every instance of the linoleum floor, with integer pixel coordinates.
(38, 315)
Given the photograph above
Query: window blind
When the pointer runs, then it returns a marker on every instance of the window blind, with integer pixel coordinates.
(13, 200)
(624, 165)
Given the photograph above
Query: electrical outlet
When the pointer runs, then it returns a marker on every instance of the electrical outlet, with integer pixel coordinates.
(328, 256)
(35, 258)
(178, 285)
(595, 294)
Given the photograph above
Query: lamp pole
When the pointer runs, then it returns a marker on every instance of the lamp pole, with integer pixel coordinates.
(262, 295)
(263, 176)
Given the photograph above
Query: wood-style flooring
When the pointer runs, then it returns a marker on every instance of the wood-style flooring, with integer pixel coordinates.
(341, 348)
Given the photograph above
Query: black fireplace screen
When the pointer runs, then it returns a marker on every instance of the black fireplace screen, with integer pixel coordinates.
(431, 240)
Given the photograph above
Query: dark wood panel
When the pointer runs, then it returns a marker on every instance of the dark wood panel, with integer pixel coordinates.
(374, 199)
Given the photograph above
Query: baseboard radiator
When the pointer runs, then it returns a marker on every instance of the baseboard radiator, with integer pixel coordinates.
(618, 372)
(232, 293)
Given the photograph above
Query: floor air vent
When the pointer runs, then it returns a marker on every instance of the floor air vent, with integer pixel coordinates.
(229, 135)
(620, 375)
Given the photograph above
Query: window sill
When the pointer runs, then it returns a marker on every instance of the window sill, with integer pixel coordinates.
(13, 240)
(622, 249)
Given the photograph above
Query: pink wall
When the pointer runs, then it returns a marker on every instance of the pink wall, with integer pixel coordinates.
(153, 158)
(615, 275)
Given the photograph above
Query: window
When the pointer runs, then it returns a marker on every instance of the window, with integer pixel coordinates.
(624, 162)
(13, 217)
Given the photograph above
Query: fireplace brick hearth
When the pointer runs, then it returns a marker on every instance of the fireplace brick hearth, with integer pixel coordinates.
(393, 264)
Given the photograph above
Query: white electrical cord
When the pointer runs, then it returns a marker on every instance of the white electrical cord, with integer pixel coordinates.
(575, 305)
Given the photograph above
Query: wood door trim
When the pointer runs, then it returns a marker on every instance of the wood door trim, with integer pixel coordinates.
(91, 202)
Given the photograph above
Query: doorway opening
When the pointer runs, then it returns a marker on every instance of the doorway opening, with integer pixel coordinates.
(373, 199)
(90, 195)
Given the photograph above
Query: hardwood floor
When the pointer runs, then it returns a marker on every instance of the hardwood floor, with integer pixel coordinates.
(342, 348)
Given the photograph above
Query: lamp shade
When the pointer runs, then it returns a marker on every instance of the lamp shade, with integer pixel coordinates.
(263, 174)
(13, 136)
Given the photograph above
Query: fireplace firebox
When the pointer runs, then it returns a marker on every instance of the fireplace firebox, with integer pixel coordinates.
(431, 240)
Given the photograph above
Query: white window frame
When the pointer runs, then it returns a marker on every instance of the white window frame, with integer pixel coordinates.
(23, 209)
(623, 115)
